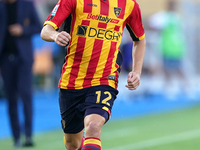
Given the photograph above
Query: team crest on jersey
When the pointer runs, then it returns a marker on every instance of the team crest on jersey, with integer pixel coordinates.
(117, 11)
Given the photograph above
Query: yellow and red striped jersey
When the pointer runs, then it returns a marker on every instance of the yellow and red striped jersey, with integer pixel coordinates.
(96, 33)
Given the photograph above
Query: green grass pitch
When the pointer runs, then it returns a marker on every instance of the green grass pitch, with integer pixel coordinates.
(177, 130)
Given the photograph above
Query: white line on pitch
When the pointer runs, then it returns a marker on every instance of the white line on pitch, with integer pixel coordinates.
(128, 131)
(159, 141)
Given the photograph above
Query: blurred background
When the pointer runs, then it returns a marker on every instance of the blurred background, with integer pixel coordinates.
(170, 81)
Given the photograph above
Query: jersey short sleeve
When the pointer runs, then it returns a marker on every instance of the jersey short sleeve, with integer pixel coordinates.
(134, 24)
(60, 12)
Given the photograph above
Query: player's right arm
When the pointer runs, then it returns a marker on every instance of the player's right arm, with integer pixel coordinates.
(49, 34)
(60, 12)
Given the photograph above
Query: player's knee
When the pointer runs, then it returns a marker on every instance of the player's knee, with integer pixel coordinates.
(93, 127)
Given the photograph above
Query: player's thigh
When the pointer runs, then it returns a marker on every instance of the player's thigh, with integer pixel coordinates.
(100, 100)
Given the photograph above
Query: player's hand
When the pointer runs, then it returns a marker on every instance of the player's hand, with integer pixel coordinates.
(62, 38)
(133, 81)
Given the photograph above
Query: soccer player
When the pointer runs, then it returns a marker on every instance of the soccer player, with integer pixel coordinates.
(88, 83)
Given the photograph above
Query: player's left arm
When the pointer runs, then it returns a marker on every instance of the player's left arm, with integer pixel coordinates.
(136, 30)
(138, 53)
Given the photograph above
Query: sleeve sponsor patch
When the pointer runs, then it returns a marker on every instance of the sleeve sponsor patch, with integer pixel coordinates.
(54, 10)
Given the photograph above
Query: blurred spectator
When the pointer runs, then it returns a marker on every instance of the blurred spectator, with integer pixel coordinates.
(19, 21)
(172, 44)
(1, 87)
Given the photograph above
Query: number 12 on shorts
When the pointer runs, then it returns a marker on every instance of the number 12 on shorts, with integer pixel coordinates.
(105, 100)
